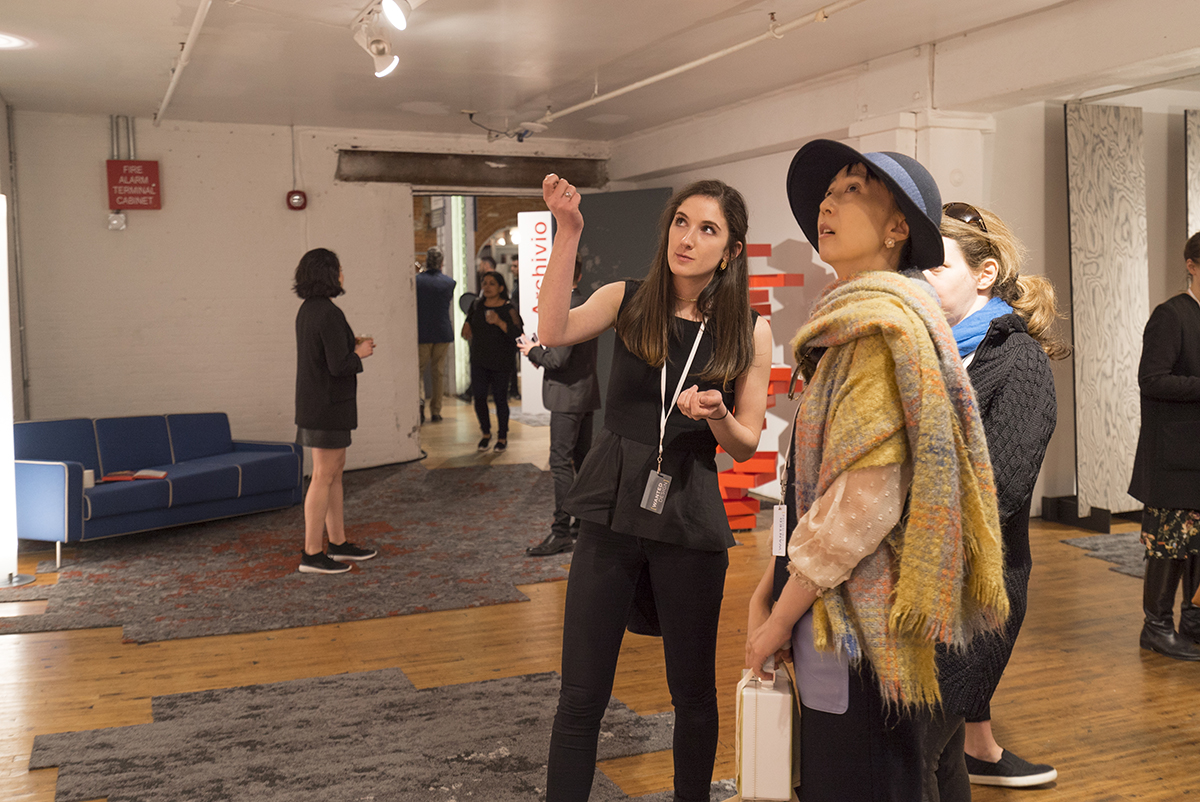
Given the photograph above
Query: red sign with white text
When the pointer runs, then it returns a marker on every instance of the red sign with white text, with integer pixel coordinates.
(133, 185)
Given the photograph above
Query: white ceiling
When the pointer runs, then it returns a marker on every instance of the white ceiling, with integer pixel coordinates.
(294, 61)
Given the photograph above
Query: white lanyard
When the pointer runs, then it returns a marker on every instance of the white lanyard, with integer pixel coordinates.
(667, 410)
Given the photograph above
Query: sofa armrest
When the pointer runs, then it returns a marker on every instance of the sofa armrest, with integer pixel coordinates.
(49, 501)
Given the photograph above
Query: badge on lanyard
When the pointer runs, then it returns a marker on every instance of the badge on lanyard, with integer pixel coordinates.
(658, 483)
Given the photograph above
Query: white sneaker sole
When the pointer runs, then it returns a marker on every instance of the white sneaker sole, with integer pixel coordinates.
(1014, 782)
(312, 569)
(351, 558)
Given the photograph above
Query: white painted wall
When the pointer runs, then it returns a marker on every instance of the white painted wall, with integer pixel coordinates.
(190, 308)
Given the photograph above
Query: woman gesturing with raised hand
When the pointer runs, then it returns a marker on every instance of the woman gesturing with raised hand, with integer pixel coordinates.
(690, 368)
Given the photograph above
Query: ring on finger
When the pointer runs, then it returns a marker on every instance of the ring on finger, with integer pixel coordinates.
(568, 194)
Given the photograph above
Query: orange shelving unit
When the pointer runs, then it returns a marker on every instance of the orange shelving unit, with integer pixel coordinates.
(737, 482)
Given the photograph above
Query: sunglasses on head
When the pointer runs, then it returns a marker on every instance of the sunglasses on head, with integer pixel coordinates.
(965, 213)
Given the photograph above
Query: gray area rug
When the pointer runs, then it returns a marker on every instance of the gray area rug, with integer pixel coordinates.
(447, 539)
(1123, 549)
(364, 736)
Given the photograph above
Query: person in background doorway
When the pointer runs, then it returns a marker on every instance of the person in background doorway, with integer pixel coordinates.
(486, 265)
(328, 360)
(514, 389)
(492, 327)
(571, 391)
(435, 293)
(1001, 321)
(1166, 468)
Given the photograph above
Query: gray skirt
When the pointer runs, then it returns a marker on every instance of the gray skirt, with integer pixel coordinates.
(323, 438)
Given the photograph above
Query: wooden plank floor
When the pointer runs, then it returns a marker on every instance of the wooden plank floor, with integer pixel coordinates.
(1117, 722)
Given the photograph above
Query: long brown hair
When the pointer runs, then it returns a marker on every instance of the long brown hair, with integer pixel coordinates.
(1031, 297)
(648, 324)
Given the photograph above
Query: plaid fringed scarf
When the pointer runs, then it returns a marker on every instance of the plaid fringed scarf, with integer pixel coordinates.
(938, 577)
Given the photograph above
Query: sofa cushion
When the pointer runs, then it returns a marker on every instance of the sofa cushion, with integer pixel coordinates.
(199, 435)
(118, 498)
(262, 471)
(199, 480)
(71, 440)
(130, 444)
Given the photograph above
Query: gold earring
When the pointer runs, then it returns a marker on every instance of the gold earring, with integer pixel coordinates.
(723, 264)
(889, 242)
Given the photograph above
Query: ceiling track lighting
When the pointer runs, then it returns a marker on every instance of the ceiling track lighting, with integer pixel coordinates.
(373, 37)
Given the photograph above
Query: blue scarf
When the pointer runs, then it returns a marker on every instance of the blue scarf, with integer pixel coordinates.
(970, 331)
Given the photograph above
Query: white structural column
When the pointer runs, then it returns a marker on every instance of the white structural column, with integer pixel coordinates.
(950, 145)
(8, 492)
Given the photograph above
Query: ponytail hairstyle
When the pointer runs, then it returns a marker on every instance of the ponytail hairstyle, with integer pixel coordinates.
(1031, 297)
(648, 323)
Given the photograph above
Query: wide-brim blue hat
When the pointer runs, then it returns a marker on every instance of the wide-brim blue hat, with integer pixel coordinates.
(817, 163)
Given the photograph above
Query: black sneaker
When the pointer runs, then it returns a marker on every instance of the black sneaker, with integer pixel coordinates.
(1009, 771)
(501, 446)
(483, 443)
(348, 552)
(554, 544)
(320, 563)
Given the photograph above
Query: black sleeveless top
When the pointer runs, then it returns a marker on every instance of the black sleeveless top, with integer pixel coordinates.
(608, 489)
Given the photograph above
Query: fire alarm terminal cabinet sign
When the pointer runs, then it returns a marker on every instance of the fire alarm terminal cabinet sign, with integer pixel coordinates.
(133, 185)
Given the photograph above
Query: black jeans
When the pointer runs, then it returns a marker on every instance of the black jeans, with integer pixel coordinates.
(482, 380)
(570, 441)
(688, 586)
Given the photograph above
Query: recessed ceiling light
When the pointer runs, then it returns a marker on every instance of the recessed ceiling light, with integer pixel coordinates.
(10, 42)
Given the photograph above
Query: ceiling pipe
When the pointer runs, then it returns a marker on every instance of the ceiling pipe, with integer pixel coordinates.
(774, 31)
(177, 70)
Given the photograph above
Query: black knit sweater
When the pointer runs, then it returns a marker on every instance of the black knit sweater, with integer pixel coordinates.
(1015, 388)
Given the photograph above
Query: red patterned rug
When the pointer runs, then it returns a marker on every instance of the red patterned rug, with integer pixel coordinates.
(447, 539)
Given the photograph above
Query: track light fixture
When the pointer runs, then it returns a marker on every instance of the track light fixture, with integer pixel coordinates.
(372, 35)
(397, 13)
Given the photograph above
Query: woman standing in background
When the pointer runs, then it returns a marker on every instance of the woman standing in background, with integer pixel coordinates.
(492, 327)
(328, 360)
(1001, 321)
(1166, 470)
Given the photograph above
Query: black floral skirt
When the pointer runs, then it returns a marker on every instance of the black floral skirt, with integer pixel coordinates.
(1169, 533)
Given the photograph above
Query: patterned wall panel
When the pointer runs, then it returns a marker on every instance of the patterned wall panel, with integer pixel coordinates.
(1192, 146)
(1106, 179)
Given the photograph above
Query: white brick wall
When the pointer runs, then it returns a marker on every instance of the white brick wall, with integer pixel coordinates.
(190, 308)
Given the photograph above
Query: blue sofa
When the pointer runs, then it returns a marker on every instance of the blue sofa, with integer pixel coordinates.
(209, 475)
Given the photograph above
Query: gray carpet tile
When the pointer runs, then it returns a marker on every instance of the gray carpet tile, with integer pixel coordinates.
(1123, 549)
(447, 539)
(364, 736)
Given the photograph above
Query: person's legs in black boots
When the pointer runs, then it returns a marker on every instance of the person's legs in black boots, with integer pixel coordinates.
(1189, 613)
(1158, 600)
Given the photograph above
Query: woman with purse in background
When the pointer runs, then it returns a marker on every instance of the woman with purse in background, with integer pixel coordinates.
(1001, 322)
(492, 328)
(647, 494)
(892, 488)
(1166, 469)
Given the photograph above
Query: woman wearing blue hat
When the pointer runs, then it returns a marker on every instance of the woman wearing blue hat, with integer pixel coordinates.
(894, 542)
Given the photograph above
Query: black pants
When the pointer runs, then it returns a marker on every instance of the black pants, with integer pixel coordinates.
(688, 586)
(870, 753)
(947, 779)
(483, 380)
(570, 440)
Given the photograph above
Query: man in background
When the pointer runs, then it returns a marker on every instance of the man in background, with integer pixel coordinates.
(571, 391)
(435, 291)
